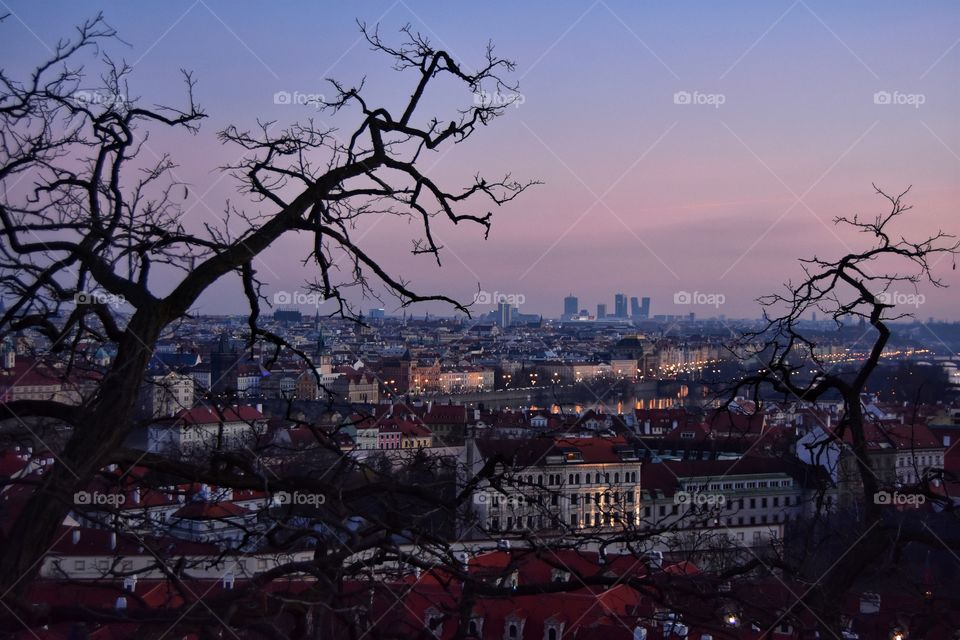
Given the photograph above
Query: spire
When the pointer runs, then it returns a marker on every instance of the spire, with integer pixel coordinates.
(321, 344)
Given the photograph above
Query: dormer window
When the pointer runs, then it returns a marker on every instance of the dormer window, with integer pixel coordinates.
(513, 627)
(553, 629)
(475, 627)
(433, 620)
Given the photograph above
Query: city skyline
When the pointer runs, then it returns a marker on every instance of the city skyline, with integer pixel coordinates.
(708, 162)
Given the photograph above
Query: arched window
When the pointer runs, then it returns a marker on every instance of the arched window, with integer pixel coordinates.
(552, 633)
(512, 630)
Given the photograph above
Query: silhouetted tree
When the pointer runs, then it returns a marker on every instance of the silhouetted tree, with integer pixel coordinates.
(88, 221)
(859, 288)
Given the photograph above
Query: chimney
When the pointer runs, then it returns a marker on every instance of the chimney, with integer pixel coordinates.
(136, 495)
(113, 539)
(121, 604)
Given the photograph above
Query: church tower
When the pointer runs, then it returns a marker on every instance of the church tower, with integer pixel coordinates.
(322, 357)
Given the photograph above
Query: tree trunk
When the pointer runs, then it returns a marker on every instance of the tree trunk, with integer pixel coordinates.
(100, 432)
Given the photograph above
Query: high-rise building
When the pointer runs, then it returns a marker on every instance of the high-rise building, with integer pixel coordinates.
(645, 308)
(601, 311)
(504, 314)
(620, 305)
(634, 307)
(570, 306)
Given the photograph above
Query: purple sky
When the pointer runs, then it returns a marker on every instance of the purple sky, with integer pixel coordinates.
(641, 195)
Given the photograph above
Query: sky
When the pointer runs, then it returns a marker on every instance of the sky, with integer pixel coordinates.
(692, 147)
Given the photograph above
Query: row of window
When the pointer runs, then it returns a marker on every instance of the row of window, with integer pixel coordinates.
(599, 519)
(605, 497)
(729, 486)
(730, 505)
(924, 461)
(575, 520)
(556, 479)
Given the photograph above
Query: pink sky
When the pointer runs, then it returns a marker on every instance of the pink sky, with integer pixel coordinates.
(641, 195)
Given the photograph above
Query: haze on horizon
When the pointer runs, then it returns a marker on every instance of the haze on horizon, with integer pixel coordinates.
(692, 147)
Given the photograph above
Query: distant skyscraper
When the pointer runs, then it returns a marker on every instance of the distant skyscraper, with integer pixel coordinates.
(601, 311)
(504, 314)
(620, 305)
(635, 307)
(570, 306)
(645, 308)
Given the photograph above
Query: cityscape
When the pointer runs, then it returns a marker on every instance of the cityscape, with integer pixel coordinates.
(273, 365)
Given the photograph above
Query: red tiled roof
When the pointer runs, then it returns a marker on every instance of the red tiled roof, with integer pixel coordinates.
(207, 415)
(210, 511)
